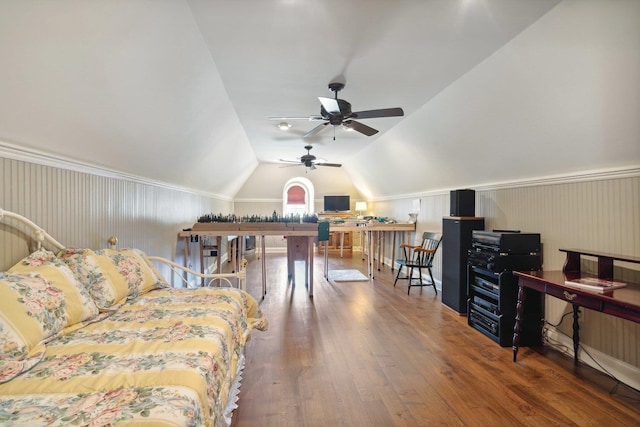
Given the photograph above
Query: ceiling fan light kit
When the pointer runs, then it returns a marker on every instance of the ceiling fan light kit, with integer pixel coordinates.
(284, 126)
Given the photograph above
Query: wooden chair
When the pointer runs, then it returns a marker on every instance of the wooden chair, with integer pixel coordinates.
(418, 257)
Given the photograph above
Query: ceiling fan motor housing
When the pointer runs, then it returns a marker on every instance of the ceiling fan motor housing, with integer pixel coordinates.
(337, 118)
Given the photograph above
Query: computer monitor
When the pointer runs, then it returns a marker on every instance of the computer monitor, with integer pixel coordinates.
(337, 203)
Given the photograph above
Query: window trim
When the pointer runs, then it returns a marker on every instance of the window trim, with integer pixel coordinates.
(309, 193)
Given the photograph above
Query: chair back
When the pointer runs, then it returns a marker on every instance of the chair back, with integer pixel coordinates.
(323, 231)
(431, 242)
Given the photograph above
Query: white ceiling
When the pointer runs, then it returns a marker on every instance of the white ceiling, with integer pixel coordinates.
(180, 91)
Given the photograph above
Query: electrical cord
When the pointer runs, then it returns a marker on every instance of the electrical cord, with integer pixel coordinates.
(566, 351)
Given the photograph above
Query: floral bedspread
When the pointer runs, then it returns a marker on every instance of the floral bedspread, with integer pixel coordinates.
(167, 358)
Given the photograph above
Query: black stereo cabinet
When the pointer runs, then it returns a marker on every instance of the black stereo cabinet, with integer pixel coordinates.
(492, 308)
(456, 242)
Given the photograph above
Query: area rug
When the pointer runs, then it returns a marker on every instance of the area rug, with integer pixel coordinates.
(347, 276)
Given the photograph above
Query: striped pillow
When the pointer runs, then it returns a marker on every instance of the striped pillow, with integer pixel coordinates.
(79, 304)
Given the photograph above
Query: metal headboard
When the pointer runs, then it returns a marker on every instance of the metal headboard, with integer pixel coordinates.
(180, 272)
(39, 234)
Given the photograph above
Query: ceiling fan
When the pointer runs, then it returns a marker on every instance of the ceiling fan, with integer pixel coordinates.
(309, 161)
(337, 112)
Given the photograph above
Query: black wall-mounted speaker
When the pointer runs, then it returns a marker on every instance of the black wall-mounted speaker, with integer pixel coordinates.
(463, 203)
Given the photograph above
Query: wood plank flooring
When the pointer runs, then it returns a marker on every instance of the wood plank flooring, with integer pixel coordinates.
(368, 354)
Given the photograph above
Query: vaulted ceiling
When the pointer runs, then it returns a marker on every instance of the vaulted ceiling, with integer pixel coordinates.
(180, 91)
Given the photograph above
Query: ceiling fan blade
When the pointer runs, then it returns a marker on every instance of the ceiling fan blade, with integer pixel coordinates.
(333, 165)
(288, 165)
(310, 118)
(330, 104)
(315, 130)
(384, 112)
(359, 127)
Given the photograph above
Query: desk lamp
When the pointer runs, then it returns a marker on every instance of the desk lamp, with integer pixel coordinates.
(361, 206)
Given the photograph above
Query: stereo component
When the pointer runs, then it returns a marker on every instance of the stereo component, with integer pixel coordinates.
(493, 288)
(462, 202)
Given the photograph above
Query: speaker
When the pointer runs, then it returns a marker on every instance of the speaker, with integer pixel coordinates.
(456, 242)
(463, 203)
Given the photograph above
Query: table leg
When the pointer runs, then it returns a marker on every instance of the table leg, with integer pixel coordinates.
(219, 254)
(393, 252)
(326, 259)
(264, 267)
(379, 235)
(186, 257)
(306, 264)
(241, 250)
(576, 332)
(233, 254)
(371, 253)
(341, 244)
(381, 241)
(368, 250)
(291, 277)
(517, 326)
(310, 240)
(201, 246)
(258, 246)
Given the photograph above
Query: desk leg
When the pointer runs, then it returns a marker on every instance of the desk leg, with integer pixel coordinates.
(306, 264)
(291, 277)
(200, 245)
(517, 326)
(371, 253)
(379, 245)
(393, 252)
(326, 259)
(219, 256)
(186, 258)
(233, 255)
(576, 332)
(410, 241)
(258, 246)
(241, 249)
(368, 251)
(264, 267)
(376, 249)
(236, 265)
(310, 261)
(383, 242)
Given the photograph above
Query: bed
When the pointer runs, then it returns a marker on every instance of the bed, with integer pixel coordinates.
(98, 337)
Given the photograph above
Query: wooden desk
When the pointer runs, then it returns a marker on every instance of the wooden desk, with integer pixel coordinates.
(305, 232)
(375, 238)
(623, 302)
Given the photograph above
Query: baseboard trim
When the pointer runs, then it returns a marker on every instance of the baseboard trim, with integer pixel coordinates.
(622, 371)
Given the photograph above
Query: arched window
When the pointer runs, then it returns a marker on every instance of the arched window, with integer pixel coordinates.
(298, 196)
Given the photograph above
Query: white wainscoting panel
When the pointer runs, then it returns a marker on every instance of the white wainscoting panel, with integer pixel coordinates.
(83, 210)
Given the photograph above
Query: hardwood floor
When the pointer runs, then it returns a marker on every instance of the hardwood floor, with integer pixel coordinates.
(368, 354)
